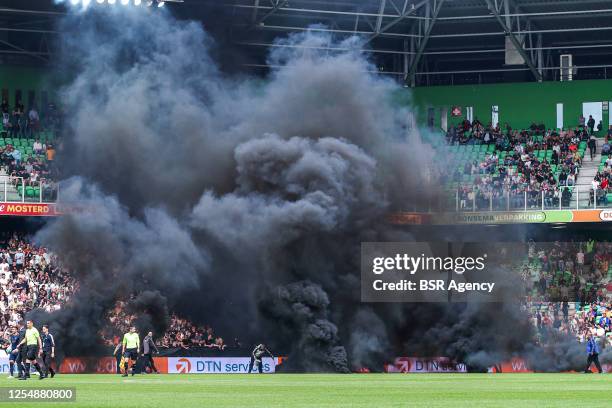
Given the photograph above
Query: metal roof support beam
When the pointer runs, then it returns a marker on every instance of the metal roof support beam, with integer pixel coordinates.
(24, 51)
(540, 55)
(506, 13)
(405, 14)
(423, 43)
(544, 14)
(41, 12)
(399, 12)
(454, 35)
(381, 12)
(320, 11)
(28, 30)
(276, 5)
(411, 41)
(255, 10)
(529, 24)
(515, 41)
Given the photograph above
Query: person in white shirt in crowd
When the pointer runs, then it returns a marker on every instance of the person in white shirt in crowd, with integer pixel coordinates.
(38, 147)
(19, 258)
(33, 121)
(580, 261)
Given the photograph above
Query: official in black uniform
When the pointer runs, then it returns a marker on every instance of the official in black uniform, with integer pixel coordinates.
(48, 350)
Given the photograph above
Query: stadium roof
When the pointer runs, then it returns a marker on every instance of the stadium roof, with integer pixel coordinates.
(419, 41)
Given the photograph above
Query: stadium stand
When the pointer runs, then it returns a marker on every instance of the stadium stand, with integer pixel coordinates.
(574, 319)
(497, 169)
(27, 153)
(32, 277)
(181, 333)
(569, 287)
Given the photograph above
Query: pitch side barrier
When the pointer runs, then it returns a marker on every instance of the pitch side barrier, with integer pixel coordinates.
(167, 365)
(240, 365)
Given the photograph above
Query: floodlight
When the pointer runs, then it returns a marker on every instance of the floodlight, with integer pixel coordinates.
(161, 4)
(149, 3)
(125, 2)
(75, 2)
(100, 1)
(137, 2)
(112, 1)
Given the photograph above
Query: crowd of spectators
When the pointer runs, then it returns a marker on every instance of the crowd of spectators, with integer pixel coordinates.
(35, 171)
(180, 334)
(185, 334)
(506, 138)
(569, 271)
(602, 182)
(569, 285)
(591, 318)
(535, 165)
(19, 123)
(26, 153)
(30, 277)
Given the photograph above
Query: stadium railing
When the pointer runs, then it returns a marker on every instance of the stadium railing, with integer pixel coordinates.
(568, 198)
(15, 190)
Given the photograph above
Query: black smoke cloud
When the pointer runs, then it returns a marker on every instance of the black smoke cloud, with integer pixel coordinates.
(236, 202)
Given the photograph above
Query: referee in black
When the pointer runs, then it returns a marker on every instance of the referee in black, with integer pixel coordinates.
(48, 350)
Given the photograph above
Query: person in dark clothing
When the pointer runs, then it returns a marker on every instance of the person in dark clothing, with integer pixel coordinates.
(592, 350)
(591, 124)
(48, 348)
(117, 354)
(148, 346)
(19, 352)
(13, 340)
(257, 355)
(592, 143)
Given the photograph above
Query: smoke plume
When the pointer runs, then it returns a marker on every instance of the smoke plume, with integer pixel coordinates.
(242, 203)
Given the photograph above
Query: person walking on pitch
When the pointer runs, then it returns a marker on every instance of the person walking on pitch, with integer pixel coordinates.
(130, 347)
(33, 350)
(148, 345)
(13, 341)
(592, 350)
(48, 350)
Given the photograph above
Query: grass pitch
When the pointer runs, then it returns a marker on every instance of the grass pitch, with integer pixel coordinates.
(328, 390)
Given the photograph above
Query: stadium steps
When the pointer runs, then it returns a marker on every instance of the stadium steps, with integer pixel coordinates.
(586, 175)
